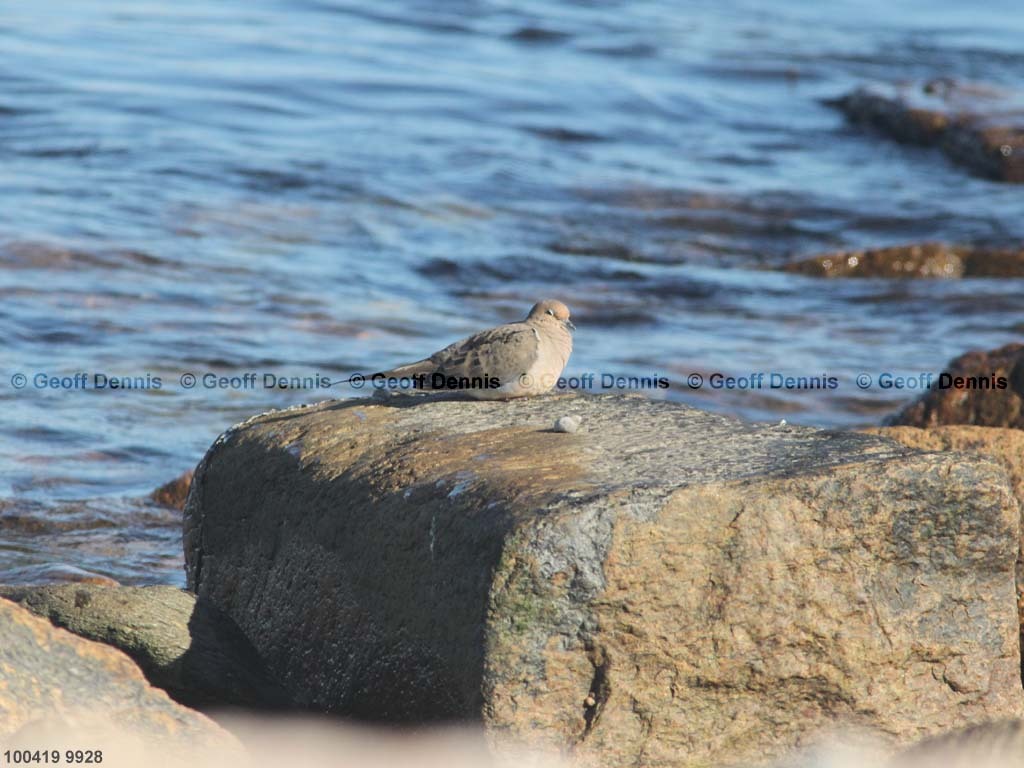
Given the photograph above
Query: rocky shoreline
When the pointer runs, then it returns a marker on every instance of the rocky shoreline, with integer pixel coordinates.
(662, 586)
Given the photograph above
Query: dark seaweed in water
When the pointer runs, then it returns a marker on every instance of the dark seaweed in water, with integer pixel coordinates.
(325, 186)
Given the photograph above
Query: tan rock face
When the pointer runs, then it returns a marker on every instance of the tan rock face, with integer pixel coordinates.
(774, 609)
(1003, 445)
(668, 587)
(973, 395)
(52, 682)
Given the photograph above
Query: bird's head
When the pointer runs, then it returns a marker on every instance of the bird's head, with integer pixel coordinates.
(551, 310)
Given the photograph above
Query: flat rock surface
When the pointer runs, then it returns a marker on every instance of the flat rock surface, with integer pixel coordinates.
(670, 587)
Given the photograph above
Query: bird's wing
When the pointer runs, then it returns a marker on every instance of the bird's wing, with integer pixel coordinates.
(505, 352)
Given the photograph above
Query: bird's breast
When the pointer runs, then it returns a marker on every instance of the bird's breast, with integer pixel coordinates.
(556, 348)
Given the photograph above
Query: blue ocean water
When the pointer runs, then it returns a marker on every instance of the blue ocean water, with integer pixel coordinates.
(316, 187)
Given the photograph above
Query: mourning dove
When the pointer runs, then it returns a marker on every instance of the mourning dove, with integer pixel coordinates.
(513, 360)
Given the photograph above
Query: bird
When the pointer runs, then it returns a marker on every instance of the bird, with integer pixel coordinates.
(514, 360)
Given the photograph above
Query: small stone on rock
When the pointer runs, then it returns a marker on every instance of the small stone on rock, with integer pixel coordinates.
(568, 424)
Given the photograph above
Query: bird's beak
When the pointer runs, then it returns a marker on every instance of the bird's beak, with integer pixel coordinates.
(569, 325)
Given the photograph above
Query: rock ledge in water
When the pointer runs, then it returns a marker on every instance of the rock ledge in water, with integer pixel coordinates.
(975, 126)
(929, 260)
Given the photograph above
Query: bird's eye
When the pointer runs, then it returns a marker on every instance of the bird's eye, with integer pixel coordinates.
(551, 312)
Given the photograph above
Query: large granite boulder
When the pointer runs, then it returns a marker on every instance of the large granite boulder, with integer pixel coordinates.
(662, 587)
(58, 690)
(192, 651)
(983, 388)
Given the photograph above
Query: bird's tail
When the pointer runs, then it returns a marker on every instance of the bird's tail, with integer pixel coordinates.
(426, 366)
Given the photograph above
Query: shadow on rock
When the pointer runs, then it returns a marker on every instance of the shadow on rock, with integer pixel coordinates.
(184, 646)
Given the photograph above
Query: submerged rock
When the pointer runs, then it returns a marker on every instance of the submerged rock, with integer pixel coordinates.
(52, 681)
(197, 655)
(669, 587)
(975, 126)
(173, 493)
(982, 388)
(917, 260)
